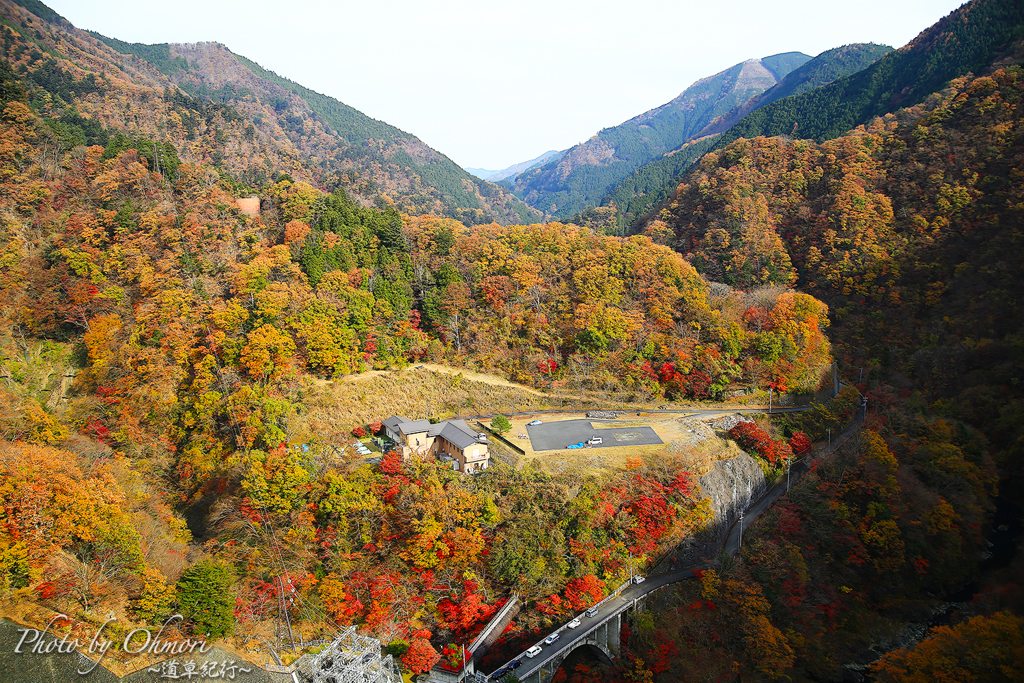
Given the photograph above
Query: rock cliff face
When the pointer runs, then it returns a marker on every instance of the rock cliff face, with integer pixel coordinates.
(732, 485)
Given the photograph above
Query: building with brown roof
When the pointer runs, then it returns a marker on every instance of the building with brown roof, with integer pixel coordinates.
(451, 441)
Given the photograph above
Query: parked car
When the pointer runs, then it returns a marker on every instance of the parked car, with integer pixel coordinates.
(595, 441)
(592, 612)
(574, 623)
(639, 579)
(534, 423)
(514, 664)
(550, 639)
(534, 651)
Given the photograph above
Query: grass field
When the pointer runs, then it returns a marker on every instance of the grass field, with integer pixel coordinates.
(334, 408)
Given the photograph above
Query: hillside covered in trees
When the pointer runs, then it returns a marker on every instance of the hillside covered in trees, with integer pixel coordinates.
(164, 354)
(217, 108)
(968, 39)
(908, 227)
(163, 350)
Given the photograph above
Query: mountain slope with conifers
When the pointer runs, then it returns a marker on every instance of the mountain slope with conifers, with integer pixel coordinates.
(822, 70)
(215, 107)
(968, 39)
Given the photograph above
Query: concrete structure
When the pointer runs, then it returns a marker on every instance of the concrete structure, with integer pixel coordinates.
(350, 658)
(600, 633)
(451, 441)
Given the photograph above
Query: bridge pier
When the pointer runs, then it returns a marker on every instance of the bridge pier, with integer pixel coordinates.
(606, 639)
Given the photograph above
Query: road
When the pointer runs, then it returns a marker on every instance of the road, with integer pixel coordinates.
(683, 412)
(617, 604)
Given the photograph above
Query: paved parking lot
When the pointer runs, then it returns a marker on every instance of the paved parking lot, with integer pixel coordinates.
(553, 436)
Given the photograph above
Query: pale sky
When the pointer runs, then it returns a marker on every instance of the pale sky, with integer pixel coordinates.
(492, 84)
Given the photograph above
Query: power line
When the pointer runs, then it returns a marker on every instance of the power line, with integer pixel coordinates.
(243, 442)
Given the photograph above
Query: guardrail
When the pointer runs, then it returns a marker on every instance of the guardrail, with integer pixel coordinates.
(611, 596)
(512, 603)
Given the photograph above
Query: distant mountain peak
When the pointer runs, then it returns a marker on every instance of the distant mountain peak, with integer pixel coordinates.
(586, 172)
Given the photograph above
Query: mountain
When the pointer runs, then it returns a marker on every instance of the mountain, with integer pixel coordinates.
(967, 39)
(514, 170)
(583, 174)
(215, 107)
(183, 382)
(822, 70)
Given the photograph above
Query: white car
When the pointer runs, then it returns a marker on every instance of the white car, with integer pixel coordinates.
(639, 579)
(534, 651)
(534, 423)
(574, 623)
(596, 440)
(550, 639)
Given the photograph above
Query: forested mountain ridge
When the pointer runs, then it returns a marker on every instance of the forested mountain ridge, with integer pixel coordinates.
(217, 108)
(165, 353)
(584, 173)
(915, 214)
(909, 227)
(822, 70)
(969, 38)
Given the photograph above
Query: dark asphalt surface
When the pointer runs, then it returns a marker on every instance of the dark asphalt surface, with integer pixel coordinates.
(553, 436)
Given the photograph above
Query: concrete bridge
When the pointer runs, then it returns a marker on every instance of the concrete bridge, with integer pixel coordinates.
(602, 631)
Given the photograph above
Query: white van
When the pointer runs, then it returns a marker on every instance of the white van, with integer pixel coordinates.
(534, 651)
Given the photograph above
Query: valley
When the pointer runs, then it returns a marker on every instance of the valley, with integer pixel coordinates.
(211, 408)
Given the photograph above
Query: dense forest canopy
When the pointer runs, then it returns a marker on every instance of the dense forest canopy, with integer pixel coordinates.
(964, 42)
(181, 377)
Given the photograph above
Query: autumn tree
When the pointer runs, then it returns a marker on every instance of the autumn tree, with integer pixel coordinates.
(420, 656)
(981, 648)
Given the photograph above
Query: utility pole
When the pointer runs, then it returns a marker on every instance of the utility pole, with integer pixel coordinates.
(769, 399)
(741, 528)
(788, 464)
(284, 605)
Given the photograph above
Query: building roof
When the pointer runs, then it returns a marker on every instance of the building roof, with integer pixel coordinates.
(458, 433)
(461, 424)
(414, 427)
(393, 422)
